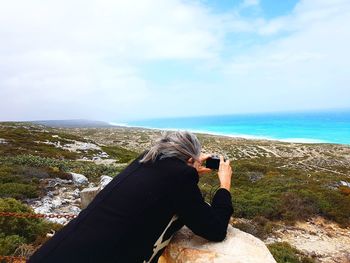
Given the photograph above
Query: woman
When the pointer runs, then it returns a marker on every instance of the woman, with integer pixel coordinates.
(133, 218)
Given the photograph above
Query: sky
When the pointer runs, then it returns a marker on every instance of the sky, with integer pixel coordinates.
(130, 60)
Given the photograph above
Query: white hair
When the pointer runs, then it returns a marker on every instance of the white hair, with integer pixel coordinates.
(180, 144)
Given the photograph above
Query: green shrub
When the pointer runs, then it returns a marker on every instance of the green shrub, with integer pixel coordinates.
(27, 228)
(282, 194)
(260, 227)
(8, 244)
(21, 140)
(297, 206)
(36, 161)
(59, 168)
(121, 154)
(285, 253)
(19, 190)
(251, 166)
(335, 206)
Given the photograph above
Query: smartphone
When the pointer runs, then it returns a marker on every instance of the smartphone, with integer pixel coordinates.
(213, 162)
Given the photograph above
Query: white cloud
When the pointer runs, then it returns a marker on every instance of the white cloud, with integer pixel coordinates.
(127, 29)
(85, 59)
(306, 14)
(305, 67)
(80, 58)
(250, 3)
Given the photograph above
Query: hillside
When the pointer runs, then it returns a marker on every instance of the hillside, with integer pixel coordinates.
(282, 192)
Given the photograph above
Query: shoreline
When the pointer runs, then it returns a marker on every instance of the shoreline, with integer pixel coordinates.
(236, 136)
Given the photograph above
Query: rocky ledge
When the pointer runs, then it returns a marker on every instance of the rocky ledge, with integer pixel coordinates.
(238, 247)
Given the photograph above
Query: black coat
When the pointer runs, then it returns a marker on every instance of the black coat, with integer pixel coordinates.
(133, 218)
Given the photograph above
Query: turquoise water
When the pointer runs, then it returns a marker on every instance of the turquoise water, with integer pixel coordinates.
(309, 127)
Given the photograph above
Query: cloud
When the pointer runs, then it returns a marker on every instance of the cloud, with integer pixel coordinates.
(126, 29)
(305, 14)
(87, 59)
(250, 3)
(306, 64)
(81, 58)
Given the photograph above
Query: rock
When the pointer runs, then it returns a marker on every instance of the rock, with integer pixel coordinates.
(44, 209)
(345, 258)
(87, 195)
(104, 155)
(96, 158)
(81, 146)
(255, 176)
(56, 202)
(76, 193)
(79, 179)
(104, 180)
(61, 221)
(105, 161)
(238, 247)
(44, 206)
(53, 182)
(64, 198)
(91, 185)
(344, 183)
(74, 209)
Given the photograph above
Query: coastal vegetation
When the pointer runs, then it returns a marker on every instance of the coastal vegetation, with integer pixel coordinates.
(25, 159)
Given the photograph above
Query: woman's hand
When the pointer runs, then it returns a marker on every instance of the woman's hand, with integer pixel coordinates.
(225, 173)
(199, 165)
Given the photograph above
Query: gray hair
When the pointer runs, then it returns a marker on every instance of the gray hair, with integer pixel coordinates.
(180, 144)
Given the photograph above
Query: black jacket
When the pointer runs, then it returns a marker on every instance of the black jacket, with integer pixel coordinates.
(133, 218)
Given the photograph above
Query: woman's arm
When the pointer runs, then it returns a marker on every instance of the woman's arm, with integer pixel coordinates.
(207, 221)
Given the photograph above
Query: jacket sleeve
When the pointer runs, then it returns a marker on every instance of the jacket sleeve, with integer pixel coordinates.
(209, 222)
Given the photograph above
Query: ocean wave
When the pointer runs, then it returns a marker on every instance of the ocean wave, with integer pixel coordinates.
(118, 124)
(303, 140)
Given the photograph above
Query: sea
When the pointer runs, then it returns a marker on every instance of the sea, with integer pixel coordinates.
(300, 127)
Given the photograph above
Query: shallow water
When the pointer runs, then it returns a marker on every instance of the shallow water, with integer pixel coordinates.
(309, 127)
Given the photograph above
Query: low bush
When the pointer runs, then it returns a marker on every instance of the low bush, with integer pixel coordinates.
(21, 140)
(285, 253)
(19, 190)
(282, 194)
(121, 154)
(297, 206)
(16, 231)
(260, 227)
(59, 168)
(8, 244)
